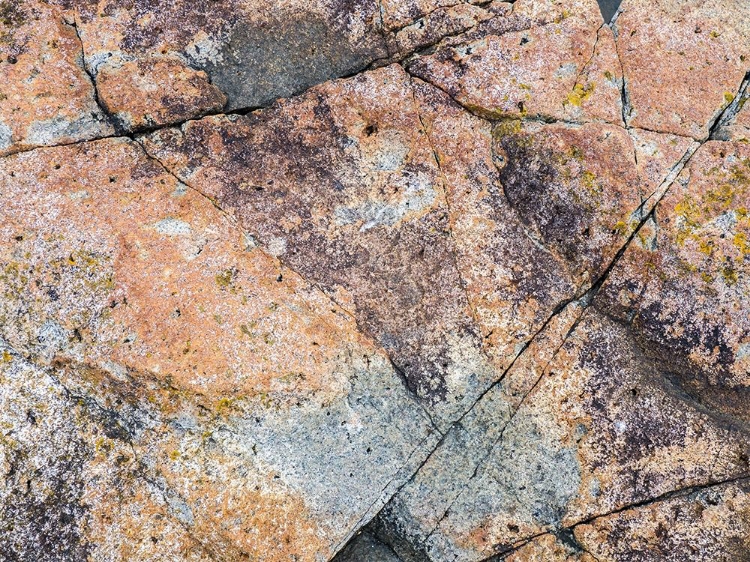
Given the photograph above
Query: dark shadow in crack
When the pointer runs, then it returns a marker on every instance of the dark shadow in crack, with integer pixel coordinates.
(609, 9)
(366, 547)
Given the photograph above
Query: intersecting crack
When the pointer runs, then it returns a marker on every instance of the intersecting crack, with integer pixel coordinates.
(585, 300)
(107, 115)
(672, 494)
(583, 297)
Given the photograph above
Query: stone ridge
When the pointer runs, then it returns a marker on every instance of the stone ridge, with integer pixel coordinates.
(374, 281)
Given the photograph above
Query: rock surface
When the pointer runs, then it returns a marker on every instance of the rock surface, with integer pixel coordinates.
(46, 96)
(415, 281)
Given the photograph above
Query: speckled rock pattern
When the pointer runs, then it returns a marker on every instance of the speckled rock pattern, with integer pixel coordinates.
(374, 281)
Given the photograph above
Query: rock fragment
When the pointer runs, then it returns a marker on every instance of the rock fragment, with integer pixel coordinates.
(46, 96)
(152, 93)
(444, 22)
(705, 46)
(738, 126)
(541, 59)
(249, 51)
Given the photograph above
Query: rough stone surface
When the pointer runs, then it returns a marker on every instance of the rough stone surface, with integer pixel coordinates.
(707, 524)
(682, 61)
(46, 97)
(129, 93)
(366, 547)
(374, 281)
(251, 51)
(541, 59)
(343, 186)
(738, 128)
(245, 390)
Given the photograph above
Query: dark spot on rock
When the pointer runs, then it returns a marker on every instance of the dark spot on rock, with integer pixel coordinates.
(286, 55)
(531, 182)
(567, 537)
(44, 524)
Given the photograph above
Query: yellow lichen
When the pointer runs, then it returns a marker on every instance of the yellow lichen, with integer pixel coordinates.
(507, 128)
(706, 247)
(729, 275)
(224, 404)
(224, 279)
(589, 182)
(740, 241)
(580, 93)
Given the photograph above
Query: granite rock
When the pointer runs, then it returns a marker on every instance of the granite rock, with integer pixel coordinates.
(374, 281)
(46, 96)
(342, 185)
(682, 61)
(224, 371)
(166, 65)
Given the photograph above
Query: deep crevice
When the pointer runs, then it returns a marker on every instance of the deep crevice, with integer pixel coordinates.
(111, 120)
(729, 113)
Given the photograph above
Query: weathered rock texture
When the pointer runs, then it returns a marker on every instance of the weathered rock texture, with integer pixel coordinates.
(374, 281)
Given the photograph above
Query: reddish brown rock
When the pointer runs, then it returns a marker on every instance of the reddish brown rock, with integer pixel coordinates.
(604, 429)
(708, 523)
(712, 523)
(487, 303)
(597, 92)
(542, 59)
(537, 211)
(492, 237)
(684, 285)
(398, 13)
(443, 22)
(232, 378)
(46, 97)
(683, 61)
(128, 296)
(73, 486)
(252, 52)
(145, 94)
(342, 185)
